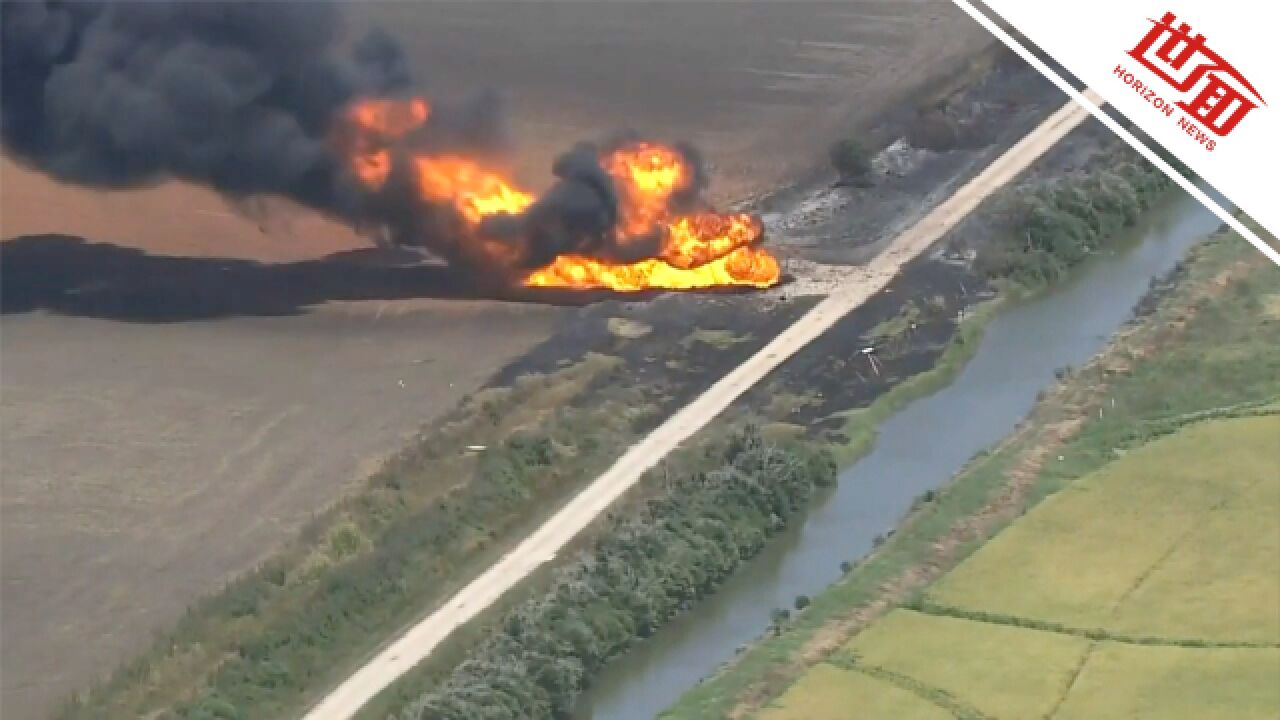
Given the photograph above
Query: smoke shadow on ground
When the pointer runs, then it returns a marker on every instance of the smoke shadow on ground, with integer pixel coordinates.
(69, 275)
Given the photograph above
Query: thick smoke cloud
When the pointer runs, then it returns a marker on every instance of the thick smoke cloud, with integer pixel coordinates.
(234, 95)
(579, 213)
(245, 97)
(576, 215)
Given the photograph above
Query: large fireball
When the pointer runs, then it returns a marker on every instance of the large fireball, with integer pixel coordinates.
(656, 196)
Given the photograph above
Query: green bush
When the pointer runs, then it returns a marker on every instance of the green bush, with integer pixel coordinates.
(1056, 227)
(851, 159)
(644, 569)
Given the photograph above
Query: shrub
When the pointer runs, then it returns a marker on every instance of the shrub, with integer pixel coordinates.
(850, 159)
(644, 569)
(1057, 226)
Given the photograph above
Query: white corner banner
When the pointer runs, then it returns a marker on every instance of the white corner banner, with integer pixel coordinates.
(1200, 78)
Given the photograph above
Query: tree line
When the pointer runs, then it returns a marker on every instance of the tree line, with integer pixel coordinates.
(641, 571)
(1055, 227)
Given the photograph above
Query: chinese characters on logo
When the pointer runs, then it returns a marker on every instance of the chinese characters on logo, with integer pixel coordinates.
(1214, 94)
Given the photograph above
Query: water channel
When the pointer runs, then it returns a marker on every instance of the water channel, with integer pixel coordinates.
(919, 448)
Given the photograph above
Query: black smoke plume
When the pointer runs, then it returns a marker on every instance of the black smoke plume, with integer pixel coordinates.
(244, 97)
(579, 213)
(237, 95)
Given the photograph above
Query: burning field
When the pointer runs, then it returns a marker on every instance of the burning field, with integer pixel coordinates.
(626, 216)
(121, 95)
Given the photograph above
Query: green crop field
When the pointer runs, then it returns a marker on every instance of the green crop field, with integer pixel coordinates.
(829, 692)
(989, 669)
(917, 665)
(1174, 540)
(1175, 683)
(1146, 589)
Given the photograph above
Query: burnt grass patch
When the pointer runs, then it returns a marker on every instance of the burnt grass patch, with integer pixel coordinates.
(929, 146)
(907, 326)
(675, 346)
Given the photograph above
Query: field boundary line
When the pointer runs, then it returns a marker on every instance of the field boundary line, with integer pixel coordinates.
(1174, 546)
(929, 693)
(926, 607)
(1162, 426)
(1076, 672)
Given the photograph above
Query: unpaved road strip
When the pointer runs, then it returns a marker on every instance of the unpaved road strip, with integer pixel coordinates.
(416, 644)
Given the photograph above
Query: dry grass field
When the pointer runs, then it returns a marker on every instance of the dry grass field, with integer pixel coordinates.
(145, 463)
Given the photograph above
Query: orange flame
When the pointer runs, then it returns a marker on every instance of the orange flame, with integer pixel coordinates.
(372, 125)
(694, 240)
(746, 266)
(698, 249)
(472, 190)
(646, 175)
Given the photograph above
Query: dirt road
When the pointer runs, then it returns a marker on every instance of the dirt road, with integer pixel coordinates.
(545, 542)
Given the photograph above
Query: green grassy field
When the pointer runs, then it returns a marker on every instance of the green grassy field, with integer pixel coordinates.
(1175, 539)
(1174, 683)
(912, 664)
(994, 670)
(829, 691)
(1119, 597)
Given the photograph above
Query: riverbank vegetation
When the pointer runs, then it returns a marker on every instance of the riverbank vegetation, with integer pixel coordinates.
(641, 570)
(1054, 227)
(1203, 350)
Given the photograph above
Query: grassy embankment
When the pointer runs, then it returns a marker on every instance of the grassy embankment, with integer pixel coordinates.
(1207, 351)
(646, 566)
